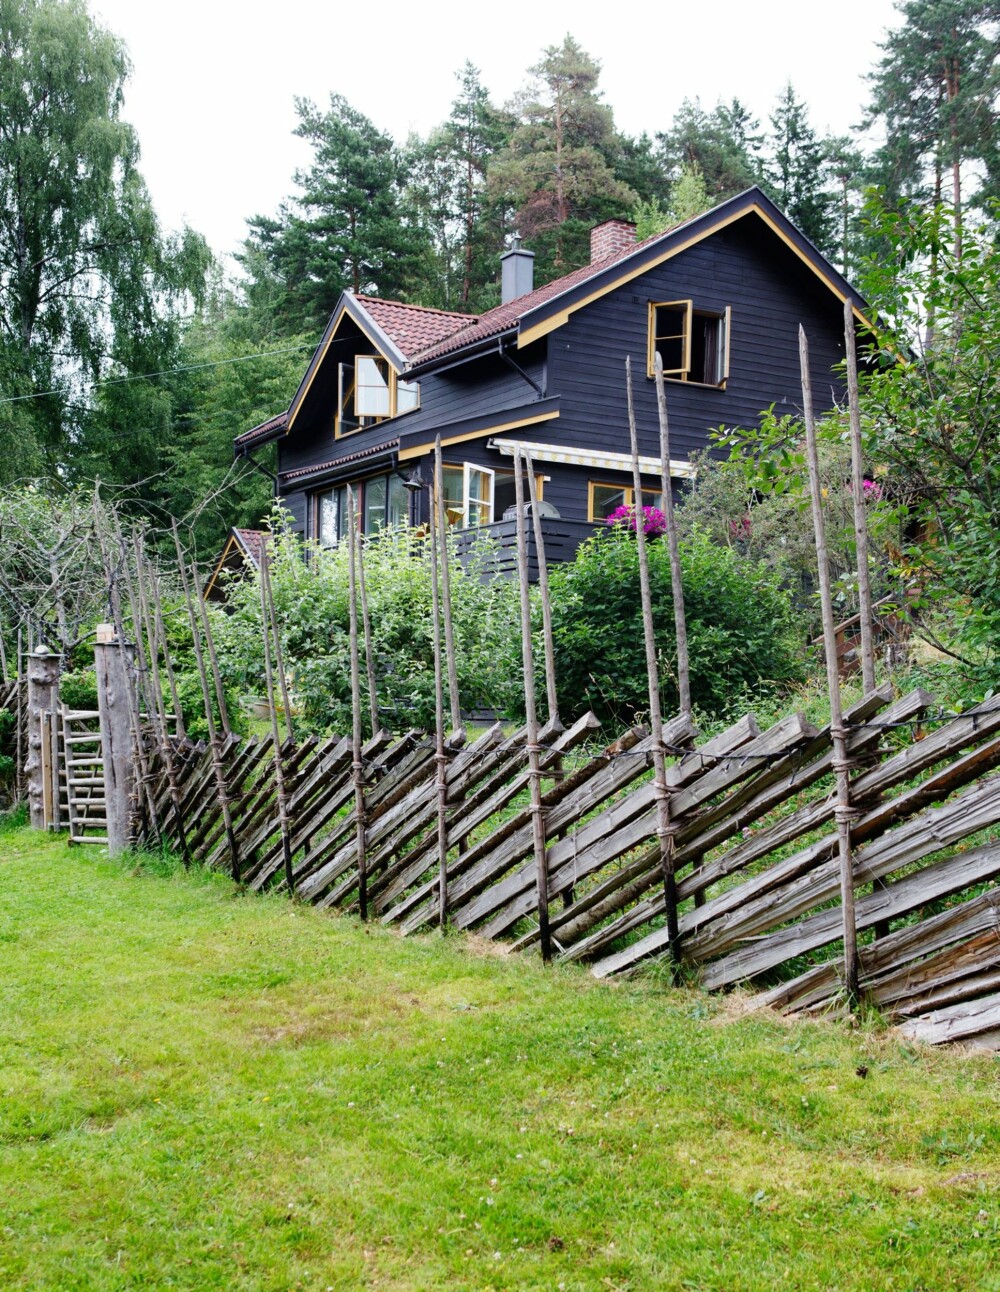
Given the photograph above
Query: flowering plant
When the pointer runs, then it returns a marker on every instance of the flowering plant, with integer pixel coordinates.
(654, 523)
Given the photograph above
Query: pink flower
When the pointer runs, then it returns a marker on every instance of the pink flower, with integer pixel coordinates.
(654, 523)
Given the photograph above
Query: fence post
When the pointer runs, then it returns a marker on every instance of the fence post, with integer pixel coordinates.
(43, 694)
(111, 667)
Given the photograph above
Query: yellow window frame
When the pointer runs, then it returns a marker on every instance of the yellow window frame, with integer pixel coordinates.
(352, 394)
(725, 317)
(651, 497)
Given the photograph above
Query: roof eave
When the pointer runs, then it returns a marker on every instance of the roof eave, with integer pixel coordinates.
(462, 354)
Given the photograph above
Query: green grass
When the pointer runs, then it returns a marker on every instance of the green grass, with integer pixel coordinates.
(205, 1090)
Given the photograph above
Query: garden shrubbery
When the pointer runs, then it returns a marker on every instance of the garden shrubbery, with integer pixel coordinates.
(741, 635)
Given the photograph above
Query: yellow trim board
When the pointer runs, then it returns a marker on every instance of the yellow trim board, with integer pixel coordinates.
(230, 542)
(418, 450)
(557, 320)
(320, 357)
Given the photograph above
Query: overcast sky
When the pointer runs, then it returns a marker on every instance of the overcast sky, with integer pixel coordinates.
(213, 83)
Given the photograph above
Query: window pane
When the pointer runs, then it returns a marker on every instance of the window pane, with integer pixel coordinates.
(374, 510)
(454, 501)
(327, 516)
(479, 496)
(399, 502)
(669, 337)
(503, 495)
(407, 396)
(346, 421)
(372, 391)
(341, 499)
(607, 498)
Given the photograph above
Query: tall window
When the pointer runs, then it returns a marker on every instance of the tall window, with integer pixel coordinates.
(379, 501)
(368, 392)
(693, 344)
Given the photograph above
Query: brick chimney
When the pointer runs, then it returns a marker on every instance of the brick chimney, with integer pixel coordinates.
(610, 239)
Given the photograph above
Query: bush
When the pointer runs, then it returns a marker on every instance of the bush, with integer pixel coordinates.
(741, 635)
(311, 599)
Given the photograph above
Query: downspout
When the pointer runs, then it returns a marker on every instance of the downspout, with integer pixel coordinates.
(271, 475)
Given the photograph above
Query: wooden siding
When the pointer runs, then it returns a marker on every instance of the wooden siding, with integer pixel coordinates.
(770, 292)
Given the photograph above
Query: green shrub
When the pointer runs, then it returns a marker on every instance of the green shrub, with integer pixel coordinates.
(741, 635)
(311, 599)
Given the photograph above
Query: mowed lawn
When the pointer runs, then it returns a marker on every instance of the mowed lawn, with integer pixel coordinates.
(202, 1089)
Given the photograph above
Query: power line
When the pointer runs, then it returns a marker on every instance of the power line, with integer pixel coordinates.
(167, 372)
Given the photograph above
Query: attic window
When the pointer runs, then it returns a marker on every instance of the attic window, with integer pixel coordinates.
(369, 391)
(693, 344)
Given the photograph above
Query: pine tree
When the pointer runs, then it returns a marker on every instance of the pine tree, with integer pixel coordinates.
(347, 227)
(935, 94)
(796, 171)
(558, 168)
(723, 144)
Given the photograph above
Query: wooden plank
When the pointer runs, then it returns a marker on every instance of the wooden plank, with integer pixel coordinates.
(965, 1022)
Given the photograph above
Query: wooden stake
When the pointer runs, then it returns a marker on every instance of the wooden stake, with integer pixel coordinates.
(554, 724)
(164, 646)
(210, 644)
(838, 734)
(676, 576)
(266, 627)
(219, 772)
(357, 765)
(531, 722)
(860, 512)
(369, 651)
(3, 660)
(449, 630)
(664, 831)
(166, 743)
(436, 518)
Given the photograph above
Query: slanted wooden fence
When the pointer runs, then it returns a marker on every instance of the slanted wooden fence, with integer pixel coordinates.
(815, 866)
(755, 855)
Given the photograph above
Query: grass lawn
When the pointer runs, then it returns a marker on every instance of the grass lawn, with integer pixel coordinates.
(200, 1089)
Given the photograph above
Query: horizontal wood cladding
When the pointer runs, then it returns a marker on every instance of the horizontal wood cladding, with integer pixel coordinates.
(769, 291)
(479, 387)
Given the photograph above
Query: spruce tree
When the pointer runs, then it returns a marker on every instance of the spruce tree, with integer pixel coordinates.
(796, 171)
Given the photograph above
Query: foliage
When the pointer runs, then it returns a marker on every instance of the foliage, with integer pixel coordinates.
(311, 597)
(89, 288)
(346, 228)
(558, 169)
(741, 634)
(756, 502)
(931, 394)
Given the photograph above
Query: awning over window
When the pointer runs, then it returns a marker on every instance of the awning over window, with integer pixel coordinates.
(575, 457)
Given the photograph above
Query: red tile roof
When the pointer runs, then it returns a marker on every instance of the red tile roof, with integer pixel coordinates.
(502, 317)
(413, 327)
(252, 541)
(278, 423)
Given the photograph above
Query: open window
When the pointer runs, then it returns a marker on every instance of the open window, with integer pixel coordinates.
(369, 391)
(468, 495)
(692, 343)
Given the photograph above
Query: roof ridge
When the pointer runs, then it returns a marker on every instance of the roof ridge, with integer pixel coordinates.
(408, 305)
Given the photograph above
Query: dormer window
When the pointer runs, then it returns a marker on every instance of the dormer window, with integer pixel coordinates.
(369, 391)
(693, 343)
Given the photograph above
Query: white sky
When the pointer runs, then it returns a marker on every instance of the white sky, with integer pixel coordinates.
(213, 83)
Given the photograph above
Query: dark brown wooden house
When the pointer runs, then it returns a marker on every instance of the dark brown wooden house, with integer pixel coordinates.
(720, 296)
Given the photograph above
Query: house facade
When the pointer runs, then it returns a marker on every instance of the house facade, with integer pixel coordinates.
(720, 297)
